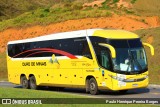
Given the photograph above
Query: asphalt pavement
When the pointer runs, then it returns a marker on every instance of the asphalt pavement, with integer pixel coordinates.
(152, 91)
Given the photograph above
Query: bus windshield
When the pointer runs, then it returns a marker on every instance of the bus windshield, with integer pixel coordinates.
(130, 56)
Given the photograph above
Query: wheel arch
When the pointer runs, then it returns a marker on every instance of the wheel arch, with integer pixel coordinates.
(22, 75)
(31, 75)
(89, 77)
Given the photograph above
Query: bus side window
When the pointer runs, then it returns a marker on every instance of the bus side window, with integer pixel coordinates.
(11, 50)
(105, 59)
(18, 49)
(86, 51)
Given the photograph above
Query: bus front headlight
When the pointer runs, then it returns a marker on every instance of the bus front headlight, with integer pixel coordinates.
(117, 78)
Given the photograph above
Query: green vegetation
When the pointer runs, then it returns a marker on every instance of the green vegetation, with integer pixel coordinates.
(104, 6)
(52, 15)
(23, 93)
(133, 1)
(128, 11)
(115, 1)
(10, 9)
(3, 67)
(32, 12)
(147, 7)
(152, 36)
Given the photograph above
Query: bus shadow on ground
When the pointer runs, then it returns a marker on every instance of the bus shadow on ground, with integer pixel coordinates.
(108, 92)
(102, 92)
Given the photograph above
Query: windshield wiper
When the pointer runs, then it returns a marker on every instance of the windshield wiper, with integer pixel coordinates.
(136, 61)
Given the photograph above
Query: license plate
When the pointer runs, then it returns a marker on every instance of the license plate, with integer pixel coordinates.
(134, 85)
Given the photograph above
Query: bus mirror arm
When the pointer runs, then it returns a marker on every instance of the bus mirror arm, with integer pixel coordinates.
(150, 46)
(110, 47)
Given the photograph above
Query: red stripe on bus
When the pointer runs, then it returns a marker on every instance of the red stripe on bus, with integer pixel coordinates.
(37, 53)
(50, 50)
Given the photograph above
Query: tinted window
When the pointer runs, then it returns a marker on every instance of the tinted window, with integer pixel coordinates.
(103, 56)
(102, 53)
(95, 40)
(74, 46)
(133, 43)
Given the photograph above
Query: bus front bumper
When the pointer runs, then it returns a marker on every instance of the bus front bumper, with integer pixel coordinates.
(126, 85)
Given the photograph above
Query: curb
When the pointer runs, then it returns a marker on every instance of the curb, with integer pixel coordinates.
(154, 86)
(3, 81)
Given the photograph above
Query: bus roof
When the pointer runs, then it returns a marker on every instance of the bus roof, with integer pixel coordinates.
(115, 34)
(106, 33)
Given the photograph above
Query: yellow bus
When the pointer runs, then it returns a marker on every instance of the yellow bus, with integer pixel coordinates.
(93, 59)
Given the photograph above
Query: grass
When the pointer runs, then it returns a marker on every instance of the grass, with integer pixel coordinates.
(3, 66)
(24, 93)
(128, 11)
(133, 1)
(12, 9)
(39, 13)
(147, 7)
(44, 12)
(52, 15)
(9, 10)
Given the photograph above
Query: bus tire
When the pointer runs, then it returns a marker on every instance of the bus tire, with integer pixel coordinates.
(32, 83)
(87, 85)
(93, 87)
(24, 82)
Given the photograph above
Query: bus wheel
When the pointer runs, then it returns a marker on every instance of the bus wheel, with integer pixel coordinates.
(24, 82)
(93, 87)
(87, 85)
(32, 83)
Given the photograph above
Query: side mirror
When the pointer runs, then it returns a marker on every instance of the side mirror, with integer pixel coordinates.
(150, 46)
(110, 47)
